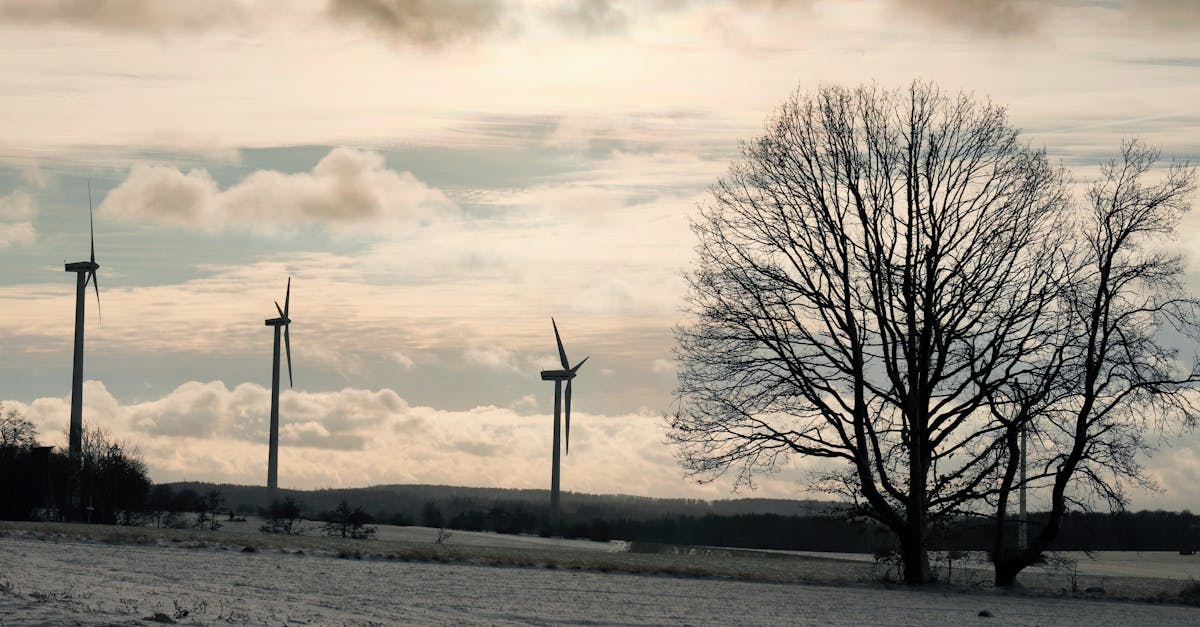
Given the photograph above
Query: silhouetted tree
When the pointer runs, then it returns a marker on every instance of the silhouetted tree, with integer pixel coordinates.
(348, 523)
(113, 481)
(1113, 380)
(208, 506)
(16, 432)
(19, 486)
(867, 273)
(282, 517)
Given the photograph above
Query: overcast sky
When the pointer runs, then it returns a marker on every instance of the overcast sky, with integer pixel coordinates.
(439, 177)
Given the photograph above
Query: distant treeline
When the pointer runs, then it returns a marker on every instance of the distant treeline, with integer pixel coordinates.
(1125, 531)
(748, 523)
(409, 501)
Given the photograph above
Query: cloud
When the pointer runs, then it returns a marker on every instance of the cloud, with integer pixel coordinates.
(405, 361)
(1014, 18)
(149, 17)
(527, 402)
(346, 187)
(664, 366)
(16, 234)
(995, 17)
(16, 206)
(1169, 14)
(357, 437)
(590, 17)
(423, 22)
(15, 228)
(492, 356)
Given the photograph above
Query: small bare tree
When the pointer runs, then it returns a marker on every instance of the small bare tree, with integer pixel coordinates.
(1112, 380)
(283, 517)
(348, 523)
(868, 274)
(16, 432)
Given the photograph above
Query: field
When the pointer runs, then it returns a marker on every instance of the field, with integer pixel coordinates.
(73, 574)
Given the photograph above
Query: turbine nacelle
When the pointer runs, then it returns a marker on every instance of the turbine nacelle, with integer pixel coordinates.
(82, 266)
(557, 375)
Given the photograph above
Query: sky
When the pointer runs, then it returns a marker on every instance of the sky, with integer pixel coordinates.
(439, 178)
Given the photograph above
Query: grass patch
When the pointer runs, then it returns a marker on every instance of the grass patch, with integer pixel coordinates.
(1190, 594)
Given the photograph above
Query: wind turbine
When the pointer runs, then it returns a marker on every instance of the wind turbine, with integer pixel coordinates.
(273, 455)
(558, 376)
(85, 272)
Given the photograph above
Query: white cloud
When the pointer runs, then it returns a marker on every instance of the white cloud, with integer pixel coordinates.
(15, 227)
(492, 356)
(404, 360)
(663, 366)
(16, 234)
(529, 401)
(17, 206)
(347, 187)
(353, 437)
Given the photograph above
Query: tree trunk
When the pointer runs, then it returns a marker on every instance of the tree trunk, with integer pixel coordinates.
(1006, 572)
(916, 558)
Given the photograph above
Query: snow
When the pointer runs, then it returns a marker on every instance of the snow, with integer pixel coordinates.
(61, 581)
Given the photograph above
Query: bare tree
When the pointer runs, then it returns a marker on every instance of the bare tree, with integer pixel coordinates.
(16, 432)
(868, 274)
(348, 523)
(283, 517)
(1112, 381)
(113, 482)
(208, 507)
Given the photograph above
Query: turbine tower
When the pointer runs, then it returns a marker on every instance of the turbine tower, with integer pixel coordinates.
(273, 455)
(85, 272)
(558, 376)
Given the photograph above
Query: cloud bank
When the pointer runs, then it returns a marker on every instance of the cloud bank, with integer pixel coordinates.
(426, 22)
(347, 187)
(354, 437)
(153, 17)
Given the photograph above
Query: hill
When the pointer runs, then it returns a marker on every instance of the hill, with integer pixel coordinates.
(388, 501)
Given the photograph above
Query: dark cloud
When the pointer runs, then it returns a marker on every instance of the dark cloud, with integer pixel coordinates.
(1009, 18)
(425, 22)
(590, 17)
(1169, 14)
(996, 17)
(153, 17)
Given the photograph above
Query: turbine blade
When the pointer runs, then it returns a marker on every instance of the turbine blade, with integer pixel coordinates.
(91, 225)
(580, 364)
(562, 353)
(279, 310)
(568, 415)
(287, 343)
(287, 298)
(96, 284)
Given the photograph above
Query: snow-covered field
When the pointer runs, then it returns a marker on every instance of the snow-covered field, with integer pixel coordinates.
(54, 579)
